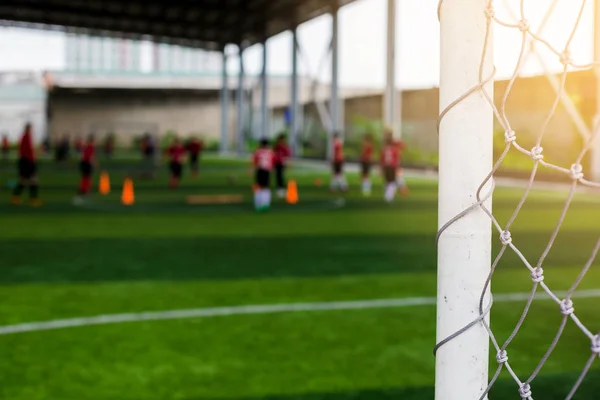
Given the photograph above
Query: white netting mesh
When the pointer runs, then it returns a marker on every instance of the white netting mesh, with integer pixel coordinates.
(574, 173)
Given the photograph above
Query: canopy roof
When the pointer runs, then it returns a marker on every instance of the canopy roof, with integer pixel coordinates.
(209, 24)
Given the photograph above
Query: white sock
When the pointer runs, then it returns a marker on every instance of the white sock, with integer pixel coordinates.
(335, 182)
(390, 192)
(257, 199)
(267, 197)
(343, 182)
(366, 186)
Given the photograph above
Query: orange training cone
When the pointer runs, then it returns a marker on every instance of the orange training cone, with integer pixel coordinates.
(104, 186)
(128, 198)
(292, 192)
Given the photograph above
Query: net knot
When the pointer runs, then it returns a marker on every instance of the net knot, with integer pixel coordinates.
(502, 357)
(524, 25)
(537, 275)
(566, 307)
(506, 238)
(490, 12)
(510, 136)
(525, 391)
(565, 57)
(596, 344)
(576, 172)
(536, 153)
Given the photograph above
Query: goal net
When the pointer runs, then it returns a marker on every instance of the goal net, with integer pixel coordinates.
(468, 171)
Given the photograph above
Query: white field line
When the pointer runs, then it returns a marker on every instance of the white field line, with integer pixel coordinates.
(259, 309)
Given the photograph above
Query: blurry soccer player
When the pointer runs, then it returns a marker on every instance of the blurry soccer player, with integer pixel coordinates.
(143, 145)
(263, 160)
(86, 168)
(366, 160)
(390, 165)
(338, 181)
(79, 145)
(27, 170)
(63, 148)
(176, 153)
(282, 154)
(109, 146)
(5, 147)
(399, 173)
(46, 145)
(148, 149)
(195, 147)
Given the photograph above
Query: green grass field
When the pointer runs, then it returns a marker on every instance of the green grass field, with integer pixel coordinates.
(64, 261)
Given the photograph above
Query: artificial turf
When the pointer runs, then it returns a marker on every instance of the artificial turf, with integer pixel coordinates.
(65, 261)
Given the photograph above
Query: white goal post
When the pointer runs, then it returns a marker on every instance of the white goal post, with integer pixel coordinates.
(466, 182)
(465, 158)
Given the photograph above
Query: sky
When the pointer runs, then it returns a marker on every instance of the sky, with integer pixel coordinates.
(362, 30)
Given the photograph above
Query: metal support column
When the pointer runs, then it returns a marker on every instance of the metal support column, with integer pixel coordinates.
(335, 98)
(224, 106)
(296, 147)
(392, 106)
(156, 65)
(240, 104)
(264, 89)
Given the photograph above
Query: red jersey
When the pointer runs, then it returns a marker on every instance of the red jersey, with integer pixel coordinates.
(338, 150)
(176, 152)
(390, 156)
(195, 147)
(263, 159)
(26, 146)
(5, 143)
(87, 154)
(366, 153)
(282, 153)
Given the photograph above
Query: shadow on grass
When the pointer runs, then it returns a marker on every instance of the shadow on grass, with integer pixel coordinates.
(551, 387)
(163, 200)
(231, 258)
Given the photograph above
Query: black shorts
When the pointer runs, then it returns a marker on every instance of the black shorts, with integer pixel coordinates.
(365, 168)
(389, 174)
(263, 178)
(175, 168)
(27, 168)
(194, 159)
(338, 167)
(86, 169)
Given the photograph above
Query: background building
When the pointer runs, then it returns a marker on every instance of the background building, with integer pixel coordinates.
(89, 54)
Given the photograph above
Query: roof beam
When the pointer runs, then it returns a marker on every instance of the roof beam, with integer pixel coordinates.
(207, 23)
(105, 21)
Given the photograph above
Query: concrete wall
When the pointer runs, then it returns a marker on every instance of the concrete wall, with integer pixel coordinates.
(131, 104)
(131, 114)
